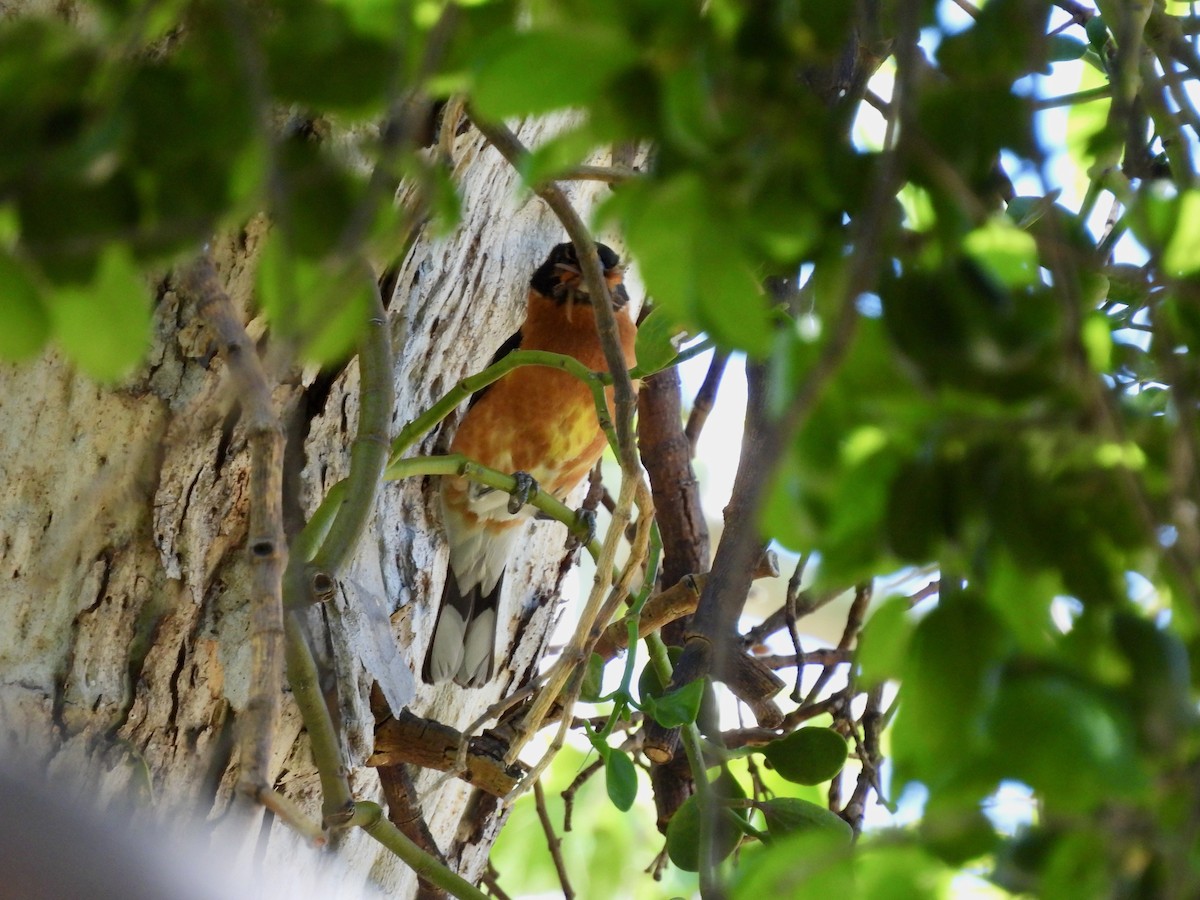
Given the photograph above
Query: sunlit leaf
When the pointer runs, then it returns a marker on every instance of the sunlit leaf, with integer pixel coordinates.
(538, 71)
(22, 310)
(104, 326)
(884, 641)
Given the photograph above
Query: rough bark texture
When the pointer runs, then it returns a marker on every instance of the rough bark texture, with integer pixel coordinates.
(123, 515)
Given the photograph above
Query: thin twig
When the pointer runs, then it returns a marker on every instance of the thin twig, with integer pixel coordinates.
(265, 543)
(572, 789)
(790, 610)
(553, 841)
(854, 623)
(705, 397)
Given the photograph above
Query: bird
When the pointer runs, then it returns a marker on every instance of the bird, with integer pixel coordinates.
(536, 422)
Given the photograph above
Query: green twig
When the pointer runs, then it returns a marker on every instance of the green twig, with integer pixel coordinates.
(370, 818)
(369, 451)
(414, 430)
(457, 464)
(337, 800)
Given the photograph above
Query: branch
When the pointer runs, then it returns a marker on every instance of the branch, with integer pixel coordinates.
(553, 841)
(409, 739)
(266, 544)
(369, 816)
(705, 398)
(457, 464)
(369, 450)
(765, 438)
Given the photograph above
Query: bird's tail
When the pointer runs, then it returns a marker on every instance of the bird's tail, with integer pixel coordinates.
(464, 638)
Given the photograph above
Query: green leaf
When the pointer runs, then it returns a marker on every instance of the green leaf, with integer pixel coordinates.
(321, 305)
(650, 686)
(593, 680)
(1064, 48)
(946, 689)
(1160, 679)
(1182, 254)
(660, 228)
(22, 310)
(654, 348)
(679, 707)
(900, 872)
(813, 863)
(884, 642)
(1097, 32)
(809, 755)
(104, 327)
(1063, 740)
(730, 303)
(788, 815)
(539, 71)
(318, 59)
(620, 780)
(1005, 252)
(683, 831)
(957, 832)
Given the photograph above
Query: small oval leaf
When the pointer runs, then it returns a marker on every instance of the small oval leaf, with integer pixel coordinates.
(808, 755)
(620, 780)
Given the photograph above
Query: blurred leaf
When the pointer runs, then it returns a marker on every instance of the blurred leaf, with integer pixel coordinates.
(1065, 48)
(654, 348)
(22, 310)
(1182, 253)
(620, 779)
(788, 815)
(538, 71)
(1062, 739)
(1006, 253)
(660, 228)
(1097, 32)
(323, 306)
(104, 327)
(884, 642)
(318, 58)
(899, 872)
(1160, 682)
(956, 833)
(814, 863)
(946, 692)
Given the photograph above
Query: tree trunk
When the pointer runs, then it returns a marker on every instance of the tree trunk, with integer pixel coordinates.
(124, 660)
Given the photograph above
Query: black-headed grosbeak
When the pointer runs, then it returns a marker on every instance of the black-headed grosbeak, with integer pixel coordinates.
(537, 421)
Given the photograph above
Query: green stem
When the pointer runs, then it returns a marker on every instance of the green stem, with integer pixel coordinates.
(683, 356)
(306, 544)
(414, 430)
(337, 799)
(369, 816)
(369, 451)
(457, 464)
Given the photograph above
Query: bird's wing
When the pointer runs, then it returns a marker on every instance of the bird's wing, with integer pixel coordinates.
(512, 344)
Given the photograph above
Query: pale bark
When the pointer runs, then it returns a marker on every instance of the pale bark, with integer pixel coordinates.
(123, 514)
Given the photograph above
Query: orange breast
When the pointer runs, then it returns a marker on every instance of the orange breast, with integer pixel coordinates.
(540, 420)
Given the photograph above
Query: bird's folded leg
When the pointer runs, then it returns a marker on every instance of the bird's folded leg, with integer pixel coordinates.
(525, 488)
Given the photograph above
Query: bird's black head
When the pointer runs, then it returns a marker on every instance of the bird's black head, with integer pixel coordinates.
(560, 276)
